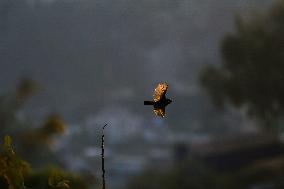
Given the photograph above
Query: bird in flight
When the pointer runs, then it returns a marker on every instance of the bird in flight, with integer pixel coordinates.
(159, 100)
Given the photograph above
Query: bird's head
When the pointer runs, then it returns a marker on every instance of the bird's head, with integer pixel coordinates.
(169, 101)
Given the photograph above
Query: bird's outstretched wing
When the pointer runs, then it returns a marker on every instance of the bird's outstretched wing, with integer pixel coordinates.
(160, 91)
(160, 112)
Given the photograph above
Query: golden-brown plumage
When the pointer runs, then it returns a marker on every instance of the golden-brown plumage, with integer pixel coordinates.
(159, 100)
(160, 112)
(160, 91)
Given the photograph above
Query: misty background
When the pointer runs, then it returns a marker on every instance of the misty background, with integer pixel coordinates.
(95, 55)
(97, 60)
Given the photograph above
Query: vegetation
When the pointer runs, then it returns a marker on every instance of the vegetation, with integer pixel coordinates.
(12, 168)
(32, 143)
(251, 75)
(17, 174)
(251, 78)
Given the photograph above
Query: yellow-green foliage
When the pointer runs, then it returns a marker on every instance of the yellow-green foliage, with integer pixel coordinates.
(17, 174)
(31, 143)
(12, 168)
(54, 125)
(54, 178)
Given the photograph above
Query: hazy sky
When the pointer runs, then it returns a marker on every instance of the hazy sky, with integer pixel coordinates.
(93, 55)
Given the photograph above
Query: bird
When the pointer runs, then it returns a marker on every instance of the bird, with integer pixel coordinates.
(160, 101)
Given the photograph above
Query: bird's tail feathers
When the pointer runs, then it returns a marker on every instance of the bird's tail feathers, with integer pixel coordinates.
(148, 103)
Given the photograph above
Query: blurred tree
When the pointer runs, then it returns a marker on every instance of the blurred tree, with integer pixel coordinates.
(26, 88)
(10, 104)
(16, 173)
(12, 168)
(35, 145)
(54, 178)
(31, 143)
(52, 126)
(252, 71)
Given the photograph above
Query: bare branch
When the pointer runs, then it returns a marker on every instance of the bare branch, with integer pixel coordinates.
(103, 157)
